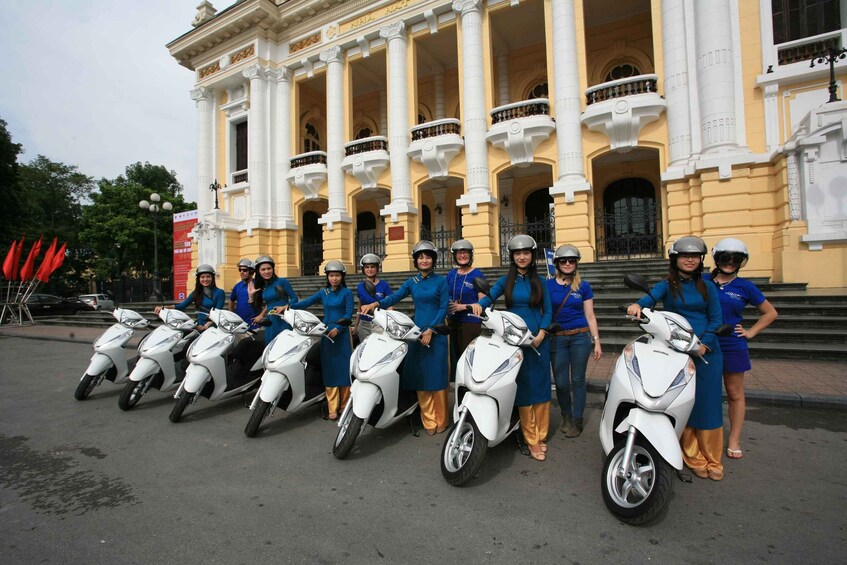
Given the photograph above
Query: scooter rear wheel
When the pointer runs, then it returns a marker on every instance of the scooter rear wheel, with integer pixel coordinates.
(179, 407)
(348, 430)
(643, 492)
(132, 393)
(256, 418)
(463, 452)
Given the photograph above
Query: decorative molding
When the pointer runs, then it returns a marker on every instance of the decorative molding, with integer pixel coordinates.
(465, 6)
(257, 72)
(332, 55)
(205, 12)
(396, 30)
(210, 70)
(281, 74)
(313, 39)
(245, 53)
(202, 94)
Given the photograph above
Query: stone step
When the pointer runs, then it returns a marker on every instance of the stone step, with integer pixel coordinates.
(791, 322)
(771, 335)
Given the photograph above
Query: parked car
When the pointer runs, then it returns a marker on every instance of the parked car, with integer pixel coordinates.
(49, 305)
(98, 301)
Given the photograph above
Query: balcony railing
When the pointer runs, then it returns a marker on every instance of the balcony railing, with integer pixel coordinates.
(239, 176)
(436, 128)
(803, 50)
(523, 109)
(641, 84)
(375, 143)
(312, 158)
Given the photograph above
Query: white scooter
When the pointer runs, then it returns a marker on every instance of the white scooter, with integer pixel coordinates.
(225, 361)
(484, 404)
(161, 359)
(648, 401)
(292, 379)
(110, 360)
(375, 396)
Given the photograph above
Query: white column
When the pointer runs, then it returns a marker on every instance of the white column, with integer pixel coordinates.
(503, 97)
(676, 81)
(716, 76)
(383, 112)
(258, 166)
(438, 83)
(284, 217)
(205, 100)
(398, 122)
(337, 212)
(567, 102)
(475, 121)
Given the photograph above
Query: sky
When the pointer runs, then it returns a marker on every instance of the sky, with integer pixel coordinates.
(90, 83)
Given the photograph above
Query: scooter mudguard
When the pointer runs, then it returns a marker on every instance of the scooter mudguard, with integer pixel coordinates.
(143, 369)
(273, 384)
(483, 409)
(99, 363)
(659, 432)
(365, 396)
(196, 378)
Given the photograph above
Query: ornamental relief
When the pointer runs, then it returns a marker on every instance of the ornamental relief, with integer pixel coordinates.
(245, 53)
(303, 43)
(210, 70)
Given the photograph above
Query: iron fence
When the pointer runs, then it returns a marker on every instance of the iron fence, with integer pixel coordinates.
(542, 230)
(369, 243)
(631, 234)
(311, 256)
(442, 239)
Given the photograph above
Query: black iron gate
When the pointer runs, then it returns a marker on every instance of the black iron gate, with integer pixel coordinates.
(369, 243)
(311, 256)
(629, 234)
(442, 239)
(542, 230)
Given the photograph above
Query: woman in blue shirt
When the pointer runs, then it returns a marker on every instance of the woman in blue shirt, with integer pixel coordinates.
(204, 297)
(370, 264)
(686, 293)
(526, 295)
(337, 301)
(573, 308)
(270, 291)
(735, 294)
(425, 368)
(464, 327)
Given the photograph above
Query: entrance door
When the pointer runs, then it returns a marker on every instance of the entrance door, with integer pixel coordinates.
(628, 224)
(311, 246)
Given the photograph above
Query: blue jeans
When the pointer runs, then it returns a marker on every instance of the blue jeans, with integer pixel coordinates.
(569, 357)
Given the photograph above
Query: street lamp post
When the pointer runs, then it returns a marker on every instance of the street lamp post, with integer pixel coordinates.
(215, 187)
(832, 55)
(153, 207)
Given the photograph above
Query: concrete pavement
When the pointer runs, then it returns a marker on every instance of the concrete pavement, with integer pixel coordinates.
(775, 382)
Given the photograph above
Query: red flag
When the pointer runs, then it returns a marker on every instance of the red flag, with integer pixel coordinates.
(7, 263)
(59, 258)
(16, 261)
(29, 265)
(43, 273)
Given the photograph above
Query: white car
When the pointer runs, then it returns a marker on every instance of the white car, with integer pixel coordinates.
(98, 301)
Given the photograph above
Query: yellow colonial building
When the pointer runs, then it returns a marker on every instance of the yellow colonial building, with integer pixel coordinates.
(336, 128)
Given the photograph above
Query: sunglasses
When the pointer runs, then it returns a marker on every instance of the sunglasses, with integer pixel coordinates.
(243, 270)
(725, 257)
(567, 261)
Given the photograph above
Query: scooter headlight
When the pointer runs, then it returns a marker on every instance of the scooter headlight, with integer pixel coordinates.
(396, 329)
(229, 326)
(396, 354)
(681, 339)
(685, 375)
(512, 334)
(302, 325)
(131, 321)
(631, 361)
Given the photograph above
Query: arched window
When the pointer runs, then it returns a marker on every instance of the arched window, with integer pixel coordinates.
(311, 139)
(311, 228)
(365, 221)
(630, 217)
(363, 133)
(621, 71)
(537, 207)
(540, 90)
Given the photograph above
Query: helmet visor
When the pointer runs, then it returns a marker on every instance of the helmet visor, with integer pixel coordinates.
(727, 257)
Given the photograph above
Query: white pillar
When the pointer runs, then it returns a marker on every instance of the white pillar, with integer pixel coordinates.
(398, 122)
(716, 76)
(475, 121)
(503, 97)
(258, 165)
(567, 104)
(676, 81)
(383, 112)
(438, 83)
(283, 214)
(205, 100)
(337, 212)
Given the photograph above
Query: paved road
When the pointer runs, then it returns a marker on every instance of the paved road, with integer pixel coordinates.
(83, 481)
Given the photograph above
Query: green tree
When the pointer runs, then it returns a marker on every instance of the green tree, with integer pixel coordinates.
(9, 173)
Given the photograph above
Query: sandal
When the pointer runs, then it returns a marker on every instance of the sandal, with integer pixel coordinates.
(543, 445)
(734, 453)
(536, 453)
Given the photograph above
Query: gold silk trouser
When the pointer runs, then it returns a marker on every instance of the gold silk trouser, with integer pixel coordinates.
(336, 398)
(535, 422)
(433, 404)
(702, 449)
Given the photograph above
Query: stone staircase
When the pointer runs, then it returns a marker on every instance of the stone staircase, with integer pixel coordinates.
(812, 323)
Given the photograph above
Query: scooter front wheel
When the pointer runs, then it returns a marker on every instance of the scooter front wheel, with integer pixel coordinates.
(132, 393)
(85, 386)
(179, 407)
(640, 492)
(463, 452)
(348, 430)
(259, 414)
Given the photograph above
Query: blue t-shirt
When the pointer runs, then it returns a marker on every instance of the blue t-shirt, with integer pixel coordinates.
(462, 291)
(735, 296)
(571, 316)
(383, 289)
(241, 298)
(216, 300)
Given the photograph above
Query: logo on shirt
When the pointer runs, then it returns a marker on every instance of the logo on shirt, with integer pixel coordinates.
(734, 295)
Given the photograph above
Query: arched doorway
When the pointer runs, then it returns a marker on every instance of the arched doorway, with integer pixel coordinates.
(311, 246)
(629, 220)
(539, 220)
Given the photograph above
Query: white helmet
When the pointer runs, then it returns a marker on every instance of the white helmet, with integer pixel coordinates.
(246, 263)
(370, 259)
(688, 244)
(730, 249)
(206, 269)
(521, 241)
(334, 266)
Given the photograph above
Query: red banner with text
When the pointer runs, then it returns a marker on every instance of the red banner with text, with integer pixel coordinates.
(184, 222)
